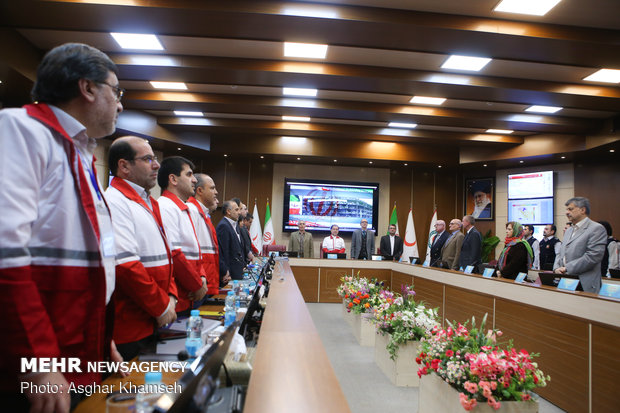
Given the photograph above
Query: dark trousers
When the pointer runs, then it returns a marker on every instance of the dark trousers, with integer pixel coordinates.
(130, 350)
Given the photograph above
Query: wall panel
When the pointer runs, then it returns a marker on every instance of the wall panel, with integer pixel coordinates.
(605, 383)
(562, 342)
(462, 305)
(380, 275)
(431, 293)
(308, 282)
(329, 281)
(600, 183)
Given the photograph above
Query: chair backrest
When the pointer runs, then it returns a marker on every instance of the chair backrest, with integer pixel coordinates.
(272, 247)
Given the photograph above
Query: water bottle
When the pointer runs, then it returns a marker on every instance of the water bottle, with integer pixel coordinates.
(236, 288)
(145, 400)
(229, 309)
(194, 333)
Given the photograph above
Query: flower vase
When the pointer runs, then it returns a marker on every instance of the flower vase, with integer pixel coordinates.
(438, 396)
(364, 330)
(403, 371)
(346, 314)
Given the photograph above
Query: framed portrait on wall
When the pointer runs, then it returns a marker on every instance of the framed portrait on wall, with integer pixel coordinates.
(480, 198)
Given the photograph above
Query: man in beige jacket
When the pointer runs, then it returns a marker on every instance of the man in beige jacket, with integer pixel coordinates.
(301, 241)
(452, 247)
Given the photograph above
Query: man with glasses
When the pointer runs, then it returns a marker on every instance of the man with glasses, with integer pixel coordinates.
(451, 249)
(145, 295)
(57, 269)
(437, 241)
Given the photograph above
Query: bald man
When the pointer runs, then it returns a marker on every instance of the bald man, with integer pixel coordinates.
(437, 241)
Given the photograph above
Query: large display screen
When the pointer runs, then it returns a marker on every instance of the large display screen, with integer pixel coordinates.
(531, 211)
(530, 185)
(325, 203)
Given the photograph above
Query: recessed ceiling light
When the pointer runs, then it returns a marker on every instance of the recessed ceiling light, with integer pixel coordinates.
(402, 125)
(169, 85)
(322, 13)
(296, 118)
(504, 131)
(137, 41)
(262, 157)
(370, 162)
(405, 164)
(612, 150)
(465, 63)
(438, 166)
(299, 159)
(187, 113)
(335, 160)
(604, 75)
(427, 100)
(310, 50)
(563, 157)
(297, 91)
(520, 161)
(294, 140)
(225, 155)
(532, 7)
(485, 165)
(178, 149)
(543, 109)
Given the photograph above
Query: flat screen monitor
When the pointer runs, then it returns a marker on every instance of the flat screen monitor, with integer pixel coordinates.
(537, 211)
(530, 185)
(324, 203)
(200, 382)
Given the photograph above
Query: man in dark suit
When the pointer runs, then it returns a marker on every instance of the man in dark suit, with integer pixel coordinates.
(391, 245)
(471, 249)
(229, 242)
(363, 242)
(583, 246)
(437, 241)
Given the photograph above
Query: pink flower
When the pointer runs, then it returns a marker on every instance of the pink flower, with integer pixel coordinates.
(449, 353)
(493, 403)
(525, 397)
(471, 387)
(468, 404)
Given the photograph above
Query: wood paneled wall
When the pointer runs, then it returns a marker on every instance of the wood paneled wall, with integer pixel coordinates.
(600, 183)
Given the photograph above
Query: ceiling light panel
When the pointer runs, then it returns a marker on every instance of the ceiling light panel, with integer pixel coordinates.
(427, 100)
(296, 91)
(137, 41)
(306, 50)
(169, 85)
(531, 7)
(402, 125)
(604, 75)
(187, 113)
(543, 109)
(502, 131)
(296, 118)
(470, 63)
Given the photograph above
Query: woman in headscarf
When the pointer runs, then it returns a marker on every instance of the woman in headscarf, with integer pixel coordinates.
(517, 255)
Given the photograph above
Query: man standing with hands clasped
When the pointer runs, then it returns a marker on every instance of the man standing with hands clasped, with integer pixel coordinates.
(145, 296)
(583, 246)
(363, 242)
(301, 241)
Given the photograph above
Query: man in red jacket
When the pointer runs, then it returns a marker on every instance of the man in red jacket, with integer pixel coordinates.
(145, 296)
(56, 240)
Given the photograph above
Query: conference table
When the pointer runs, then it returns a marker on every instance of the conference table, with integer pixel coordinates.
(577, 334)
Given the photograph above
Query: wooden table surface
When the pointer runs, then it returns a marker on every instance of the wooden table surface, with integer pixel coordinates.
(291, 371)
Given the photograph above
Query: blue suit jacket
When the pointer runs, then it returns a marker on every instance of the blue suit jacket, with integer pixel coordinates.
(471, 249)
(231, 250)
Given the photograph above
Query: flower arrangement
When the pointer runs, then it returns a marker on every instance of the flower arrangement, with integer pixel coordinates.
(473, 363)
(360, 294)
(404, 320)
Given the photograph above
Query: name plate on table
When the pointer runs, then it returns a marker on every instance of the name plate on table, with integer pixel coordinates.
(332, 256)
(469, 269)
(568, 284)
(610, 290)
(488, 272)
(414, 260)
(427, 263)
(377, 258)
(521, 277)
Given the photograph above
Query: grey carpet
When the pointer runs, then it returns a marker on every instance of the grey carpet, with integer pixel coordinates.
(366, 388)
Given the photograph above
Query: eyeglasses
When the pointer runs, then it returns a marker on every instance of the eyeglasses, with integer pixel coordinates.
(147, 158)
(119, 91)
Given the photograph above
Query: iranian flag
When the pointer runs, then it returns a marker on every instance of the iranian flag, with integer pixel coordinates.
(410, 249)
(394, 220)
(431, 233)
(256, 233)
(268, 238)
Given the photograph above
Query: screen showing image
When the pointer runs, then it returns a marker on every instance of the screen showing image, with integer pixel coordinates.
(531, 211)
(530, 185)
(325, 203)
